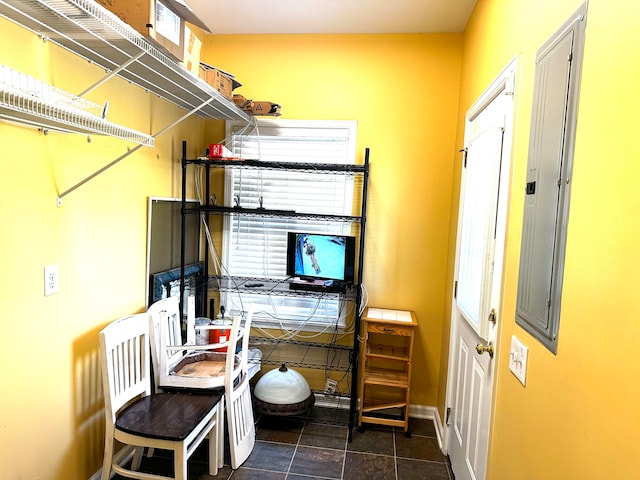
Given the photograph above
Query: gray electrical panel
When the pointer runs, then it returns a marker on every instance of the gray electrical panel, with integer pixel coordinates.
(546, 206)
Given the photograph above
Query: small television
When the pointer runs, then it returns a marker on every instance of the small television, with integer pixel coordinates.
(320, 256)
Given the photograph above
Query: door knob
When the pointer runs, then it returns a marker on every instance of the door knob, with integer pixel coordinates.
(485, 348)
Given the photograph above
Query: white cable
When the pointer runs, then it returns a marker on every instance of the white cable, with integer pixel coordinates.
(364, 297)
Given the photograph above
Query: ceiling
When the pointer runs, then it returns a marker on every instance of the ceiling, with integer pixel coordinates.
(333, 16)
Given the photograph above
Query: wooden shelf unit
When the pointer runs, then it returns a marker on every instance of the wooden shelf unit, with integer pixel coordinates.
(385, 372)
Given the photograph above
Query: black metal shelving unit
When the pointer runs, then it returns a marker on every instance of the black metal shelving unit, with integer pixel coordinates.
(276, 286)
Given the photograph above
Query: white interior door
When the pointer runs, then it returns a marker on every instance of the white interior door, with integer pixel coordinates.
(479, 258)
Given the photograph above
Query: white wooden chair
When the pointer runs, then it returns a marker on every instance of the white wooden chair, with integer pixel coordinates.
(164, 314)
(179, 364)
(189, 366)
(139, 418)
(241, 426)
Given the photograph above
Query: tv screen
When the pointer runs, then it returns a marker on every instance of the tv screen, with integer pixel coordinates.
(312, 256)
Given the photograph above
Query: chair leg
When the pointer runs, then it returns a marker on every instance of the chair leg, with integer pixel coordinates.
(108, 456)
(180, 462)
(137, 458)
(213, 451)
(216, 440)
(220, 427)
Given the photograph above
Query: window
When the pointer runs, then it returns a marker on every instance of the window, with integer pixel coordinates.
(546, 210)
(255, 246)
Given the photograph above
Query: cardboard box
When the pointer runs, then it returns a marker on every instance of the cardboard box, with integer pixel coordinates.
(257, 108)
(223, 82)
(162, 21)
(242, 102)
(265, 108)
(218, 81)
(192, 47)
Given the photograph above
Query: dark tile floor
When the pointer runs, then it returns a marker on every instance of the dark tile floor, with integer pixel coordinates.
(316, 447)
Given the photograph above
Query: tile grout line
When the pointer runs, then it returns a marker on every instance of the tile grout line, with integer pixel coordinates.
(295, 450)
(395, 451)
(344, 458)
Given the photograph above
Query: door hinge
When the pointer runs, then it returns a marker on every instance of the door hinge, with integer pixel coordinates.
(509, 87)
(447, 416)
(464, 156)
(455, 289)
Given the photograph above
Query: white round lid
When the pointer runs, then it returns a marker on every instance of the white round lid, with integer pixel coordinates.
(282, 386)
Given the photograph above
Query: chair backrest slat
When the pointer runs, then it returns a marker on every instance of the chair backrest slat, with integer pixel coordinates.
(166, 324)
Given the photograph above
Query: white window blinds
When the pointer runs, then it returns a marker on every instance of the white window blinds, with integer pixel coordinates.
(255, 245)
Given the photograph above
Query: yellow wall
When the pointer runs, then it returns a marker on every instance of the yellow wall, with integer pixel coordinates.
(51, 421)
(403, 91)
(578, 414)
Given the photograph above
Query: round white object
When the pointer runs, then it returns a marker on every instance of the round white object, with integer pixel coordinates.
(282, 386)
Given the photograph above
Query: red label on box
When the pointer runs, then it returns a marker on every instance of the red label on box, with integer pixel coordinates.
(216, 150)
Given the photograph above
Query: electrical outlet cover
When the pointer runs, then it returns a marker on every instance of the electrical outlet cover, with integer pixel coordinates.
(330, 386)
(51, 280)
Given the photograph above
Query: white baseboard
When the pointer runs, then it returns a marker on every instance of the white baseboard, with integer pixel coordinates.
(430, 413)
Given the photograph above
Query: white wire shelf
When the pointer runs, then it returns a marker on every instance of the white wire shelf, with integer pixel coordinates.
(24, 99)
(90, 31)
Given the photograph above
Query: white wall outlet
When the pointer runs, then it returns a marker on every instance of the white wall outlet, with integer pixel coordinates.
(330, 386)
(51, 280)
(518, 359)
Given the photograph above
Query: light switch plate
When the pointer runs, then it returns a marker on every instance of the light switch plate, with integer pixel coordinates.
(518, 359)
